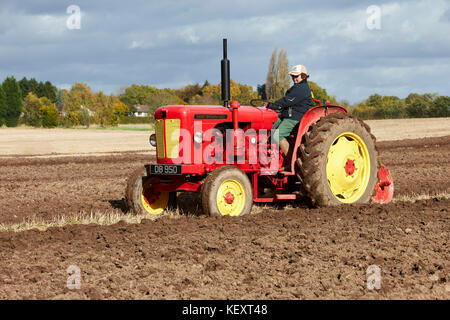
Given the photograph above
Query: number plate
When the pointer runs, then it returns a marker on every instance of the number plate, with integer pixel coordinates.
(165, 169)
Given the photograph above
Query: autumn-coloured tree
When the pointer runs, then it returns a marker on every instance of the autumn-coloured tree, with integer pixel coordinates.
(284, 78)
(121, 110)
(48, 112)
(271, 78)
(39, 112)
(77, 103)
(204, 100)
(104, 111)
(32, 105)
(188, 92)
(240, 92)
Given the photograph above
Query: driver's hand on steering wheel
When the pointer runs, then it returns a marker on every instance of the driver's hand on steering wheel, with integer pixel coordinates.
(270, 105)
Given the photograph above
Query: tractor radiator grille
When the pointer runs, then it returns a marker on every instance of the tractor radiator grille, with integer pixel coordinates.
(167, 138)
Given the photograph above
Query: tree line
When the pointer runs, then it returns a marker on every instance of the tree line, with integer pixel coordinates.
(413, 106)
(41, 104)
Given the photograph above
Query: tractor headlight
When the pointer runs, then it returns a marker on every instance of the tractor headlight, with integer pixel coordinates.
(152, 140)
(198, 137)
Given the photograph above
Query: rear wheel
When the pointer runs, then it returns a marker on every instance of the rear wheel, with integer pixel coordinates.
(338, 161)
(227, 191)
(143, 198)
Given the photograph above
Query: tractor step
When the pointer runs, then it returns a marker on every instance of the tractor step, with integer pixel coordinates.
(285, 196)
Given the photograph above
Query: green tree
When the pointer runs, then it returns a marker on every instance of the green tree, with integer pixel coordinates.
(137, 94)
(205, 84)
(14, 102)
(60, 97)
(383, 107)
(390, 107)
(363, 111)
(261, 89)
(40, 89)
(24, 87)
(162, 97)
(32, 85)
(440, 107)
(417, 109)
(50, 91)
(2, 106)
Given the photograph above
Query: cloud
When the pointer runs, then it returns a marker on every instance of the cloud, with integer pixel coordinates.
(172, 43)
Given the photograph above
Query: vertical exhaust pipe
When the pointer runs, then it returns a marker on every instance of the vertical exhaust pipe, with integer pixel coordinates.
(238, 134)
(225, 75)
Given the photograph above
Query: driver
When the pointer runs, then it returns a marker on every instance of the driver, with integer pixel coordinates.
(292, 106)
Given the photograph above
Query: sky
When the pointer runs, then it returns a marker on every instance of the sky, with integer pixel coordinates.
(353, 48)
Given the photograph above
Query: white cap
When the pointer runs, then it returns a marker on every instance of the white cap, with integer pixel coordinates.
(298, 69)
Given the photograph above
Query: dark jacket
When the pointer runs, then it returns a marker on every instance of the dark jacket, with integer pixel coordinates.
(295, 103)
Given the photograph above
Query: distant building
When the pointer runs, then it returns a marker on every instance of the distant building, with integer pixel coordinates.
(141, 110)
(90, 112)
(62, 113)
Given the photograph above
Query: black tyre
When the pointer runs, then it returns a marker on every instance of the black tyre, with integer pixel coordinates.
(337, 161)
(142, 198)
(227, 191)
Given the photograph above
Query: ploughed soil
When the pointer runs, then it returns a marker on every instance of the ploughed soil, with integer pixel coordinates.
(277, 252)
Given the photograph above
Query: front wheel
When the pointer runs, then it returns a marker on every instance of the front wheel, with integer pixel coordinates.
(143, 198)
(227, 191)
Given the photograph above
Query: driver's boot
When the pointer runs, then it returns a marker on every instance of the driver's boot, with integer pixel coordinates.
(284, 146)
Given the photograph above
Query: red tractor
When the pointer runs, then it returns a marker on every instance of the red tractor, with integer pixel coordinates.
(227, 154)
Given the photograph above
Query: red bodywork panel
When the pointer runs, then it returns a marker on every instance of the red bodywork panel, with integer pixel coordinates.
(204, 118)
(312, 116)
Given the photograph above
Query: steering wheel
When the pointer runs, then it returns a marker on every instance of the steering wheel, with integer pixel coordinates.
(261, 103)
(257, 103)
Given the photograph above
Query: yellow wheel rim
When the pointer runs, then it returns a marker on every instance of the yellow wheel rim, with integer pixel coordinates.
(231, 198)
(153, 203)
(348, 167)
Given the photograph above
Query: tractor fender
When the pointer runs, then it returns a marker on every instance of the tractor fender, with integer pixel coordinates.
(312, 116)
